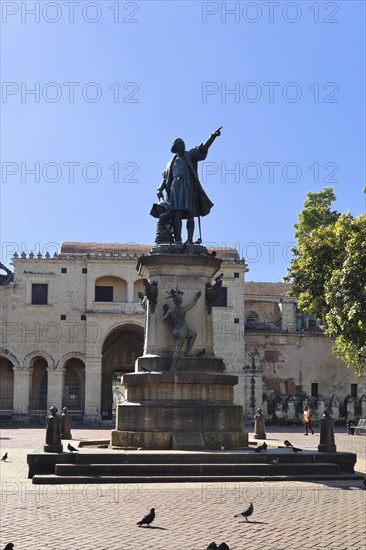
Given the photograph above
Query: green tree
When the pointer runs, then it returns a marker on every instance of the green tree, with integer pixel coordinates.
(328, 274)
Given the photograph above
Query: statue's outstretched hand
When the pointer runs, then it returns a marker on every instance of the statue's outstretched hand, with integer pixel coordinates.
(217, 132)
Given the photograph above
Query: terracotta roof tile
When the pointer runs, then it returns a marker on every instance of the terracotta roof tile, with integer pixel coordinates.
(124, 249)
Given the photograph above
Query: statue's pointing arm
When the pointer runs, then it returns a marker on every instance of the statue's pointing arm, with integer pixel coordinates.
(211, 139)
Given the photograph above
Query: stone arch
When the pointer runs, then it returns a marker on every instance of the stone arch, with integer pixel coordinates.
(138, 324)
(251, 316)
(6, 385)
(11, 357)
(121, 347)
(72, 354)
(73, 391)
(30, 358)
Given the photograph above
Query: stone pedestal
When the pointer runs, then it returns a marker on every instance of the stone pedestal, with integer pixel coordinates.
(169, 407)
(188, 273)
(190, 407)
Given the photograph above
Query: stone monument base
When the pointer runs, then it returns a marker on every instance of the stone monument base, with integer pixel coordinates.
(183, 441)
(179, 410)
(156, 363)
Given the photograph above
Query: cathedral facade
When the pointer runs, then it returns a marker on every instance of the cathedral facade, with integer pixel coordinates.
(72, 324)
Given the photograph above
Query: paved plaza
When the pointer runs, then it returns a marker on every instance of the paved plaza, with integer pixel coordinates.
(300, 515)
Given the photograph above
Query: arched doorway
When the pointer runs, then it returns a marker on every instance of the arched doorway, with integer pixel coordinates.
(73, 395)
(120, 351)
(38, 396)
(6, 387)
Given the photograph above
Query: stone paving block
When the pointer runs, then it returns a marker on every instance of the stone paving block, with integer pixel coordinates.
(320, 516)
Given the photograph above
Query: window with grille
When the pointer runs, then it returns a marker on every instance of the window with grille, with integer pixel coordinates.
(72, 384)
(43, 396)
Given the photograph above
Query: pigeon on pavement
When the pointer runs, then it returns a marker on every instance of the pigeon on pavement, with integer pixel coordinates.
(71, 448)
(247, 512)
(147, 519)
(287, 443)
(9, 546)
(5, 457)
(222, 546)
(261, 448)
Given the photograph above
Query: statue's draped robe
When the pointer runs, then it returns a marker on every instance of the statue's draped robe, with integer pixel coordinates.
(184, 190)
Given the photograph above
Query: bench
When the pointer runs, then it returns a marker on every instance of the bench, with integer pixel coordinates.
(360, 429)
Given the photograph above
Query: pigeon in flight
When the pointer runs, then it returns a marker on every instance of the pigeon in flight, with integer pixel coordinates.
(296, 450)
(261, 448)
(147, 519)
(287, 443)
(71, 448)
(247, 512)
(5, 457)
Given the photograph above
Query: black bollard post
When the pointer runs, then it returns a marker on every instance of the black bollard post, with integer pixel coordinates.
(327, 442)
(53, 433)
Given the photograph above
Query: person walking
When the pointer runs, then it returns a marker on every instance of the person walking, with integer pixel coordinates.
(308, 420)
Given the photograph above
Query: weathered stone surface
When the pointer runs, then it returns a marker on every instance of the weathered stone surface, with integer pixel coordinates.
(192, 441)
(190, 274)
(191, 364)
(210, 417)
(180, 386)
(145, 440)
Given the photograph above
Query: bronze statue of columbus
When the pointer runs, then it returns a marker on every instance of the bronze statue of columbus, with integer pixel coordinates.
(184, 192)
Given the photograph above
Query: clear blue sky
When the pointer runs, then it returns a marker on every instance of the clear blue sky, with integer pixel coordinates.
(293, 123)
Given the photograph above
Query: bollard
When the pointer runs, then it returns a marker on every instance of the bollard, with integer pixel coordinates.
(65, 424)
(53, 433)
(327, 442)
(259, 432)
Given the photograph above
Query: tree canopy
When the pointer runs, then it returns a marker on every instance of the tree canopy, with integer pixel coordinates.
(328, 274)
